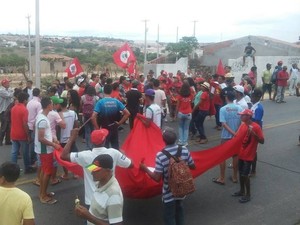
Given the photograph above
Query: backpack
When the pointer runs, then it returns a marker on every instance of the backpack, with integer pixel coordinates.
(180, 180)
(88, 106)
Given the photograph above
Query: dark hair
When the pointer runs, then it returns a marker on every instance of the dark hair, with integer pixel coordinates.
(45, 102)
(69, 85)
(141, 76)
(94, 75)
(36, 92)
(191, 82)
(257, 92)
(104, 160)
(230, 95)
(64, 104)
(253, 68)
(169, 136)
(17, 91)
(74, 98)
(66, 79)
(52, 90)
(102, 75)
(155, 83)
(121, 79)
(10, 171)
(107, 89)
(115, 86)
(109, 81)
(22, 97)
(30, 81)
(90, 90)
(185, 90)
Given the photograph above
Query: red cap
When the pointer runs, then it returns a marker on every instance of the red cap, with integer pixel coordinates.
(280, 62)
(246, 112)
(98, 136)
(5, 81)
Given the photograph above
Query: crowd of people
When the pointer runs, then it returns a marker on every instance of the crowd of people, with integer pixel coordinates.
(95, 108)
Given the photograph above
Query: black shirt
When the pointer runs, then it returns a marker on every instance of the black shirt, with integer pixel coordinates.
(249, 49)
(133, 100)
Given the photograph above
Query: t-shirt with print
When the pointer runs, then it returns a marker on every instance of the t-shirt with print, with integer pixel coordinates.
(160, 96)
(258, 113)
(185, 104)
(107, 203)
(54, 119)
(16, 205)
(249, 145)
(153, 112)
(162, 166)
(85, 158)
(229, 115)
(42, 122)
(108, 110)
(69, 117)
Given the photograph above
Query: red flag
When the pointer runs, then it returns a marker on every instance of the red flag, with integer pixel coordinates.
(124, 56)
(220, 69)
(74, 68)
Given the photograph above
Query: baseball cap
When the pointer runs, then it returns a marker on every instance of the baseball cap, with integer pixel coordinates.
(56, 100)
(135, 83)
(150, 92)
(247, 112)
(280, 62)
(80, 80)
(206, 85)
(239, 88)
(98, 136)
(5, 81)
(103, 161)
(199, 80)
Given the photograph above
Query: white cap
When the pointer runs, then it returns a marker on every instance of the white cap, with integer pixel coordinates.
(239, 88)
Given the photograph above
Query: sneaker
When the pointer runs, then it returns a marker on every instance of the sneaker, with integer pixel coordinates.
(244, 199)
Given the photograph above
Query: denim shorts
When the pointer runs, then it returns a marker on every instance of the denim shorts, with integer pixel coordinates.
(244, 167)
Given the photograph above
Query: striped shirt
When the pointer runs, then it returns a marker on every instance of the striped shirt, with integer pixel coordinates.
(42, 122)
(162, 166)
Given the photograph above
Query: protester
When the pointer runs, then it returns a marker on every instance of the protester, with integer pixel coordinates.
(249, 52)
(217, 101)
(282, 79)
(274, 79)
(229, 84)
(108, 190)
(134, 100)
(195, 111)
(68, 86)
(247, 153)
(44, 147)
(253, 76)
(160, 98)
(293, 76)
(266, 79)
(173, 207)
(231, 122)
(184, 112)
(153, 111)
(107, 115)
(100, 85)
(239, 94)
(16, 205)
(6, 98)
(20, 133)
(73, 101)
(85, 158)
(29, 89)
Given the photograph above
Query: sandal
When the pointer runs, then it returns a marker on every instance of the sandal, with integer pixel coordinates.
(217, 181)
(49, 201)
(36, 182)
(55, 182)
(232, 180)
(64, 177)
(50, 194)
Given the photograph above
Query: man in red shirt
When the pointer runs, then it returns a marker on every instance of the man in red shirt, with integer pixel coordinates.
(20, 132)
(282, 78)
(254, 135)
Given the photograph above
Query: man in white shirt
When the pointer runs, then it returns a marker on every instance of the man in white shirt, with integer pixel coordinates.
(240, 99)
(160, 98)
(85, 158)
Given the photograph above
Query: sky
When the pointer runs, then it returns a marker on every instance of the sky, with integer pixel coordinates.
(217, 20)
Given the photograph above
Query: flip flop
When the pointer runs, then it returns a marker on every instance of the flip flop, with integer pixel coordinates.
(50, 201)
(64, 177)
(232, 180)
(50, 194)
(56, 182)
(215, 180)
(36, 182)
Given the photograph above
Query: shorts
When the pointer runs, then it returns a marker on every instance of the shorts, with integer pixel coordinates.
(244, 167)
(46, 163)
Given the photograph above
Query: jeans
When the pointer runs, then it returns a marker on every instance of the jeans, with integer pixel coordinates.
(280, 93)
(200, 123)
(5, 128)
(183, 128)
(31, 148)
(112, 140)
(292, 87)
(193, 126)
(173, 213)
(217, 116)
(16, 147)
(87, 133)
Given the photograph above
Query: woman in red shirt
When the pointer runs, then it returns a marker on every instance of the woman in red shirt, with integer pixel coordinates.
(203, 107)
(184, 110)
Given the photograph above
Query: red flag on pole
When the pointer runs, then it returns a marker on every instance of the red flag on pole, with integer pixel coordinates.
(220, 69)
(74, 68)
(124, 56)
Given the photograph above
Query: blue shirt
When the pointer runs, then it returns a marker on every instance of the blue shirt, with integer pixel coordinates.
(109, 110)
(229, 115)
(162, 166)
(258, 113)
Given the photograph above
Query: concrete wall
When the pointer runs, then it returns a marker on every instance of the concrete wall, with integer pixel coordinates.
(181, 64)
(260, 61)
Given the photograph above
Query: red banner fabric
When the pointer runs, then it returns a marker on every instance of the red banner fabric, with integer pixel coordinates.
(220, 69)
(74, 68)
(124, 56)
(142, 144)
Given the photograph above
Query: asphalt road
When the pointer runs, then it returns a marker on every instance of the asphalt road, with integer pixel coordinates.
(275, 189)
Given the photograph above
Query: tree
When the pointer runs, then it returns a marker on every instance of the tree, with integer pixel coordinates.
(184, 47)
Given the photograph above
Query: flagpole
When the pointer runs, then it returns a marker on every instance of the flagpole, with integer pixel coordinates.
(37, 46)
(145, 47)
(157, 41)
(29, 48)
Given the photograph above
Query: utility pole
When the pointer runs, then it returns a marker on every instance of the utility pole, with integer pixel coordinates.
(145, 47)
(194, 33)
(157, 41)
(37, 45)
(177, 34)
(29, 48)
